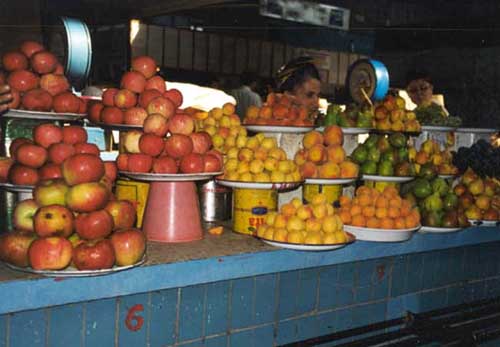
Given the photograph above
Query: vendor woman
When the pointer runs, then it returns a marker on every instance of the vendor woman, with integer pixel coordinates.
(5, 97)
(420, 90)
(300, 78)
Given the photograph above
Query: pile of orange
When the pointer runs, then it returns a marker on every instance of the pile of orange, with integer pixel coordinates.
(279, 109)
(380, 210)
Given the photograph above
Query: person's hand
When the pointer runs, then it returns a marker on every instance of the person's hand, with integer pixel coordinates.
(5, 97)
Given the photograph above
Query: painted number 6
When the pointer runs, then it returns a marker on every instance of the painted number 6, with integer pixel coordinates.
(133, 321)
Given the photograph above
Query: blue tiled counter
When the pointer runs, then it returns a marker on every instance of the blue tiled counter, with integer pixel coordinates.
(234, 291)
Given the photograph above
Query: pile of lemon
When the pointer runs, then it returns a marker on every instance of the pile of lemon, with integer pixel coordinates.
(316, 223)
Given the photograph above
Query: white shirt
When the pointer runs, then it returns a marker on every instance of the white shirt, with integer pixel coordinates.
(245, 98)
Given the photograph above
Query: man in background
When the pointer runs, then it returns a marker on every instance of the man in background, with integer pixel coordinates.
(245, 94)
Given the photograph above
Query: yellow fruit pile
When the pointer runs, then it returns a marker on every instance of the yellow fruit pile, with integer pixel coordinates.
(258, 159)
(223, 125)
(430, 152)
(372, 209)
(314, 224)
(391, 114)
(323, 155)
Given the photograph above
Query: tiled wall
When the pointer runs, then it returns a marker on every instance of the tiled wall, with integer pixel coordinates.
(266, 310)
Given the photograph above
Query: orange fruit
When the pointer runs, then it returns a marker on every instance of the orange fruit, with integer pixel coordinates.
(363, 190)
(381, 212)
(365, 199)
(386, 223)
(358, 221)
(345, 216)
(391, 191)
(393, 212)
(372, 222)
(344, 200)
(399, 223)
(404, 211)
(355, 210)
(395, 202)
(381, 202)
(368, 211)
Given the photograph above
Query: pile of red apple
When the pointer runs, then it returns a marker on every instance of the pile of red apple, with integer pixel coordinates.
(42, 158)
(74, 220)
(142, 93)
(37, 81)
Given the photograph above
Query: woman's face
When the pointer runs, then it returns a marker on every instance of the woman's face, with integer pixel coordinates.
(307, 94)
(420, 92)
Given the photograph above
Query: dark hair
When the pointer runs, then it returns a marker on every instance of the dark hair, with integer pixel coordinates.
(296, 72)
(248, 77)
(418, 75)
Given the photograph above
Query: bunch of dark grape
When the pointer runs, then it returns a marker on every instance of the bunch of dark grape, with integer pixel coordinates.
(481, 157)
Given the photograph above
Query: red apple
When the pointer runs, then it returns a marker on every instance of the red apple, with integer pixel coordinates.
(181, 123)
(156, 124)
(161, 105)
(82, 168)
(74, 134)
(31, 155)
(87, 197)
(108, 96)
(94, 112)
(201, 142)
(144, 64)
(138, 162)
(110, 170)
(47, 134)
(192, 163)
(31, 47)
(23, 80)
(50, 171)
(22, 217)
(59, 152)
(151, 144)
(66, 102)
(135, 116)
(94, 255)
(50, 192)
(156, 83)
(23, 175)
(131, 141)
(211, 163)
(82, 109)
(87, 148)
(54, 84)
(111, 115)
(14, 247)
(14, 60)
(133, 81)
(94, 225)
(14, 145)
(59, 70)
(146, 96)
(43, 62)
(122, 161)
(129, 246)
(5, 164)
(53, 220)
(178, 145)
(165, 165)
(125, 99)
(175, 96)
(37, 100)
(107, 182)
(50, 253)
(123, 213)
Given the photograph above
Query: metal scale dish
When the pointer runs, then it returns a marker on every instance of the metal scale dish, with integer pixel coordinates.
(370, 76)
